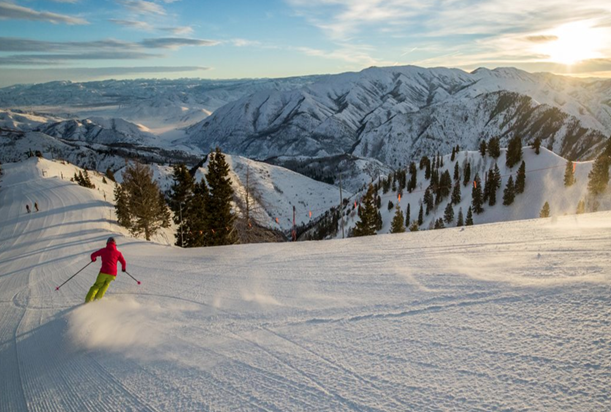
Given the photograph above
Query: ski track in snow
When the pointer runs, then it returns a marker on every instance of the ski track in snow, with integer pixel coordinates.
(509, 316)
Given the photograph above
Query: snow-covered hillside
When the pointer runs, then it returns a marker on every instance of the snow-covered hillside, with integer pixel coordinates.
(509, 316)
(544, 183)
(398, 113)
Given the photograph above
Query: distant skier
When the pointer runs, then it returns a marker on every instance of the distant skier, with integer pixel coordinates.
(36, 206)
(110, 255)
(27, 207)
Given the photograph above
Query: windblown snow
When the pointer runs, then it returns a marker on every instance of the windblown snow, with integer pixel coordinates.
(506, 316)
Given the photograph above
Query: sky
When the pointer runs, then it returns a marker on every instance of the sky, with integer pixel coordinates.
(81, 40)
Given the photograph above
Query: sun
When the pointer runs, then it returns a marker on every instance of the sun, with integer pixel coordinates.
(572, 43)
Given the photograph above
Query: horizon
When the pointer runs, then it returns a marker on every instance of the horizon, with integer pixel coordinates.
(170, 39)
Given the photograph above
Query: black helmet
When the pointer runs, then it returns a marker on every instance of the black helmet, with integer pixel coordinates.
(111, 240)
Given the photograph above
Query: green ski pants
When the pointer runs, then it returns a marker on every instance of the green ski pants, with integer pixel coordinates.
(100, 287)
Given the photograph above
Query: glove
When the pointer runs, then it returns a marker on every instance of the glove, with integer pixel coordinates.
(93, 259)
(122, 270)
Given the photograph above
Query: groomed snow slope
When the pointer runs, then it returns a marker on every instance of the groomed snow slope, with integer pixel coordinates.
(510, 316)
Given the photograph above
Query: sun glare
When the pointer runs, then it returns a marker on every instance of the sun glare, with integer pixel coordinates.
(573, 43)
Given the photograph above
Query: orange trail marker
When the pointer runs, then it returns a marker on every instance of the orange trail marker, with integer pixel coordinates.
(475, 184)
(355, 203)
(574, 166)
(399, 197)
(310, 214)
(277, 220)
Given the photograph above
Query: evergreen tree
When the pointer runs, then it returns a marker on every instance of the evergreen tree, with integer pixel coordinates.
(581, 207)
(467, 175)
(420, 216)
(397, 226)
(180, 197)
(476, 195)
(413, 177)
(368, 215)
(140, 205)
(218, 206)
(414, 227)
(456, 172)
(448, 214)
(494, 178)
(104, 180)
(439, 224)
(544, 210)
(428, 200)
(482, 148)
(440, 161)
(487, 185)
(514, 151)
(460, 221)
(110, 175)
(87, 181)
(197, 222)
(509, 193)
(494, 147)
(379, 222)
(521, 178)
(407, 215)
(445, 184)
(453, 156)
(569, 177)
(537, 145)
(599, 175)
(456, 193)
(427, 170)
(390, 205)
(469, 221)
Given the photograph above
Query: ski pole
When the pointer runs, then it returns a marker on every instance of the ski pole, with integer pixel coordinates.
(132, 277)
(57, 288)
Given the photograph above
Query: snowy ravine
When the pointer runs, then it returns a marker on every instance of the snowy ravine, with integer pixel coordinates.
(508, 316)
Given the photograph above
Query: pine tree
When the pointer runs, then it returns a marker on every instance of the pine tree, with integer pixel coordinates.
(544, 210)
(486, 190)
(456, 193)
(467, 175)
(469, 221)
(581, 207)
(460, 221)
(439, 224)
(599, 175)
(482, 148)
(104, 180)
(180, 197)
(453, 156)
(407, 215)
(514, 151)
(537, 145)
(397, 226)
(427, 170)
(445, 184)
(110, 175)
(141, 206)
(413, 177)
(218, 207)
(420, 216)
(197, 221)
(390, 205)
(414, 227)
(366, 226)
(448, 214)
(521, 178)
(509, 193)
(476, 195)
(428, 200)
(494, 147)
(569, 177)
(456, 172)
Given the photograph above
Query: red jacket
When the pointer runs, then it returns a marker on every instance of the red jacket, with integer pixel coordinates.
(110, 255)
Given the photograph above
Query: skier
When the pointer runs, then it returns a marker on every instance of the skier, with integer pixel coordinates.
(27, 207)
(36, 206)
(110, 255)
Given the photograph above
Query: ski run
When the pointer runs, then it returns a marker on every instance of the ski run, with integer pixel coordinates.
(493, 317)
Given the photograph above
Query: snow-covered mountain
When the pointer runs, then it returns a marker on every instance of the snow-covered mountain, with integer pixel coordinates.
(155, 103)
(25, 121)
(99, 130)
(508, 316)
(396, 114)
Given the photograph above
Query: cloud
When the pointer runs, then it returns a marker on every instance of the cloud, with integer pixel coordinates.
(143, 7)
(175, 42)
(138, 25)
(541, 38)
(13, 44)
(9, 11)
(52, 59)
(25, 76)
(179, 31)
